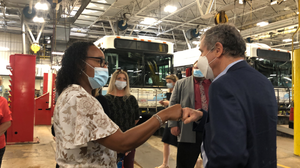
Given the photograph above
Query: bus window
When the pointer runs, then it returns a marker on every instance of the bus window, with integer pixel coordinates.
(278, 72)
(144, 70)
(131, 62)
(157, 67)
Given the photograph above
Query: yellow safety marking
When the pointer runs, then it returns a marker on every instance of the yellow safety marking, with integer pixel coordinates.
(282, 166)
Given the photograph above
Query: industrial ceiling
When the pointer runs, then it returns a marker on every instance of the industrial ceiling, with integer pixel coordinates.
(91, 19)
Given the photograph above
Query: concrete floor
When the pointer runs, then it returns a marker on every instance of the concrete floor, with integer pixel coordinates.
(149, 155)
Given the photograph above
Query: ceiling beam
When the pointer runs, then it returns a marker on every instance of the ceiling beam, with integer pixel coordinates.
(178, 11)
(145, 7)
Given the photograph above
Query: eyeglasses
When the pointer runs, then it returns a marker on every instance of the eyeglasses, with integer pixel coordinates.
(101, 60)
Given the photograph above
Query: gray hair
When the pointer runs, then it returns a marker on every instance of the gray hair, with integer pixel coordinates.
(228, 35)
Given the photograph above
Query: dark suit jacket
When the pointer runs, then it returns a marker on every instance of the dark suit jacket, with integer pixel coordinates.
(240, 129)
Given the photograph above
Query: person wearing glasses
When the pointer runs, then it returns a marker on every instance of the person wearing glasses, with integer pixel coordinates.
(124, 108)
(85, 135)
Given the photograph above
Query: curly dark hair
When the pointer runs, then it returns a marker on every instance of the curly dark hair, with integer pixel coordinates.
(71, 65)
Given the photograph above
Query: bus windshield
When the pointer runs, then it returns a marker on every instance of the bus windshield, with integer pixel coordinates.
(278, 72)
(144, 69)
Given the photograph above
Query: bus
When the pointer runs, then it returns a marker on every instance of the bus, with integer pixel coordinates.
(276, 65)
(273, 63)
(147, 63)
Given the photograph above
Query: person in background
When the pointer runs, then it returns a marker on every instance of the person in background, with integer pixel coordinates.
(124, 108)
(240, 125)
(1, 86)
(189, 92)
(168, 138)
(5, 123)
(85, 135)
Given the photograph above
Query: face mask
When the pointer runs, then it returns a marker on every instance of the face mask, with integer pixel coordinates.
(170, 85)
(204, 67)
(120, 84)
(197, 73)
(100, 77)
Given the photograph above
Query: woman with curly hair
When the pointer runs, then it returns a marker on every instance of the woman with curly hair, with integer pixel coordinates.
(85, 135)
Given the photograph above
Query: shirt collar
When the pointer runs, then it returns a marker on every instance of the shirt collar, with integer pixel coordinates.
(226, 69)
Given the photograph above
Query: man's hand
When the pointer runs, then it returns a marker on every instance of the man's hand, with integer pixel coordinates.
(190, 115)
(175, 131)
(164, 103)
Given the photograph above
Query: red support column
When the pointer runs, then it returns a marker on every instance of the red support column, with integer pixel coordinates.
(22, 98)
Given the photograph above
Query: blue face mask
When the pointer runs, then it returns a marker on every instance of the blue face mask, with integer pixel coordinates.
(170, 85)
(100, 77)
(198, 74)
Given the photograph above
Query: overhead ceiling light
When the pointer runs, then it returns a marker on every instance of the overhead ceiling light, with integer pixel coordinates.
(4, 49)
(89, 11)
(91, 5)
(41, 6)
(261, 24)
(79, 30)
(57, 53)
(297, 13)
(241, 1)
(170, 9)
(102, 1)
(204, 29)
(287, 40)
(273, 3)
(148, 21)
(196, 42)
(38, 19)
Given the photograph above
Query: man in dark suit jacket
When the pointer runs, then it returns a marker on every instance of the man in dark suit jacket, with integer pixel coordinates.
(240, 126)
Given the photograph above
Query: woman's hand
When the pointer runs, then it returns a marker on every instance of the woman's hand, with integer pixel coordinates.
(164, 103)
(171, 113)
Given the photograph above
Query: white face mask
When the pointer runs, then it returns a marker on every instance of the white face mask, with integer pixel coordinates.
(204, 67)
(120, 84)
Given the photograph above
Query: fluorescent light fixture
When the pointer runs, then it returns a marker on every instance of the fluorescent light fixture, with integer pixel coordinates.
(196, 42)
(170, 9)
(63, 15)
(148, 21)
(41, 6)
(241, 1)
(91, 5)
(204, 29)
(57, 53)
(4, 49)
(261, 24)
(38, 19)
(102, 1)
(273, 3)
(297, 13)
(79, 30)
(89, 11)
(273, 75)
(78, 34)
(287, 40)
(49, 41)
